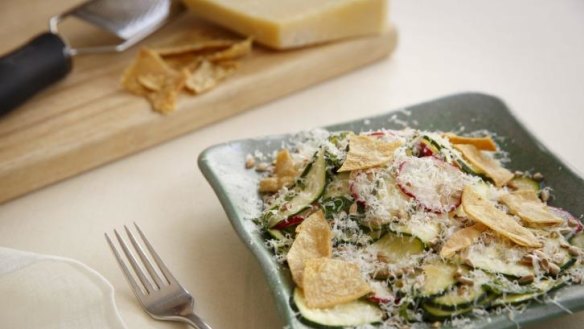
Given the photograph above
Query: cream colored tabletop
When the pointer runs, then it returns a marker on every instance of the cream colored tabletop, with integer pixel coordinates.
(529, 53)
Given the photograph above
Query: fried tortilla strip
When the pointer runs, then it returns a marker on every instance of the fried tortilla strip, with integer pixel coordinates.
(147, 63)
(285, 173)
(461, 239)
(481, 143)
(285, 164)
(313, 240)
(235, 51)
(367, 152)
(484, 211)
(163, 100)
(328, 282)
(207, 75)
(196, 48)
(485, 164)
(528, 206)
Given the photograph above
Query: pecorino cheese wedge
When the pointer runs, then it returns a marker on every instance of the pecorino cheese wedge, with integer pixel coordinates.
(295, 23)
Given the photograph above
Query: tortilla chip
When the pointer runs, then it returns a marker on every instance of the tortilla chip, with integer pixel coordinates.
(461, 239)
(196, 48)
(484, 211)
(207, 75)
(313, 240)
(481, 143)
(147, 63)
(236, 50)
(529, 207)
(164, 99)
(329, 282)
(285, 164)
(152, 82)
(485, 164)
(367, 152)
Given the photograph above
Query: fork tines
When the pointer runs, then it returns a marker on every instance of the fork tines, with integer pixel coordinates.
(157, 275)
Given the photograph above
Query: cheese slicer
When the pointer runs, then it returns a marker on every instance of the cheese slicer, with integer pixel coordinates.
(47, 58)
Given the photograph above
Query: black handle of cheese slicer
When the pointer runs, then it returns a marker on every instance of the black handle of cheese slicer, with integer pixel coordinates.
(31, 68)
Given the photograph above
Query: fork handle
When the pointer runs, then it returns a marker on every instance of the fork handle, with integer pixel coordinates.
(195, 321)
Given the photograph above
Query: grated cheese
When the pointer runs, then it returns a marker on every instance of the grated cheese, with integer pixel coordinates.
(430, 213)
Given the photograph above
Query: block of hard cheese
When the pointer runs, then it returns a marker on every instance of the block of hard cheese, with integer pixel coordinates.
(294, 23)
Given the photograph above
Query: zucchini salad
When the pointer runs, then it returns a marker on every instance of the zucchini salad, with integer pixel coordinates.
(403, 228)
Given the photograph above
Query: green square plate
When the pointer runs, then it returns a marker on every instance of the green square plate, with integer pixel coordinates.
(223, 166)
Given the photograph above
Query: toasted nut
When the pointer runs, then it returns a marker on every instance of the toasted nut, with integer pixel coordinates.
(464, 280)
(572, 222)
(519, 173)
(527, 260)
(458, 273)
(545, 264)
(463, 289)
(574, 251)
(539, 254)
(544, 195)
(468, 262)
(437, 325)
(558, 258)
(565, 245)
(353, 208)
(538, 177)
(249, 161)
(262, 166)
(526, 279)
(409, 271)
(566, 231)
(554, 269)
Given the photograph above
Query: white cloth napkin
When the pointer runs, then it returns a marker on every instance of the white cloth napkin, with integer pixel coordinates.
(46, 292)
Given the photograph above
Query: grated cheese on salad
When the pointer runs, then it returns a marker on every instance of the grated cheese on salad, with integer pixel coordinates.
(434, 225)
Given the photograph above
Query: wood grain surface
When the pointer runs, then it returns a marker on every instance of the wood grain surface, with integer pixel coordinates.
(87, 120)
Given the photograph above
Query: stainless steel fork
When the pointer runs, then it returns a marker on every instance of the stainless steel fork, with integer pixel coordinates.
(161, 295)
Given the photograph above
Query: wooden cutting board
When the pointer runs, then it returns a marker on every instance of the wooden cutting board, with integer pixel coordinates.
(87, 120)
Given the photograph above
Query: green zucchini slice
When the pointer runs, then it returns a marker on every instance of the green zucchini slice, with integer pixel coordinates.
(493, 259)
(459, 298)
(438, 278)
(354, 313)
(394, 249)
(578, 240)
(427, 232)
(436, 313)
(304, 193)
(534, 290)
(524, 183)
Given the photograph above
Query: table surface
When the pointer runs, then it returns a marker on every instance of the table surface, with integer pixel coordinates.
(529, 53)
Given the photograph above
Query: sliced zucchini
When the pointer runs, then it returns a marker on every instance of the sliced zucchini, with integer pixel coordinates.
(534, 290)
(559, 255)
(276, 234)
(436, 313)
(427, 232)
(494, 259)
(452, 157)
(354, 313)
(524, 183)
(438, 278)
(306, 191)
(578, 240)
(459, 298)
(338, 187)
(394, 249)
